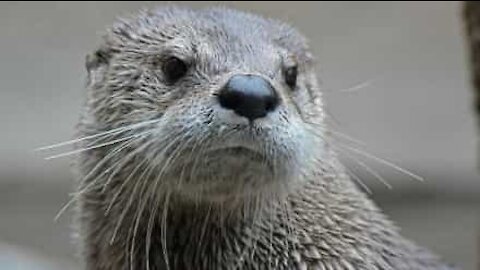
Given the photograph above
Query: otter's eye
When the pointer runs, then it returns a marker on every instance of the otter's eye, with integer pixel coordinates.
(291, 76)
(174, 69)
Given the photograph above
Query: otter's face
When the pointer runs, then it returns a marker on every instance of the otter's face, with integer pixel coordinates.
(219, 103)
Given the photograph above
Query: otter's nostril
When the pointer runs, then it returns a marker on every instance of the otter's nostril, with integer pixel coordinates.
(271, 105)
(249, 96)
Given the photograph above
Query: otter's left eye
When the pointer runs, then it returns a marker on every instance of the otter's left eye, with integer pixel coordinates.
(291, 74)
(174, 69)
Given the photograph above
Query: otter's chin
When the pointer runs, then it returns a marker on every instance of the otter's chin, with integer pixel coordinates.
(229, 173)
(241, 154)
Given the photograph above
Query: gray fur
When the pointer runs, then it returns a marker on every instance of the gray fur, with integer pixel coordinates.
(167, 188)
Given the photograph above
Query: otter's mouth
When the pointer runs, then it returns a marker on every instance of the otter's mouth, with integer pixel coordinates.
(240, 152)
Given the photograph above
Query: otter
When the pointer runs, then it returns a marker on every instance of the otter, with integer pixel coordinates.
(205, 147)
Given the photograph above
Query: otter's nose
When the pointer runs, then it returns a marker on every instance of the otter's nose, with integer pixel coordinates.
(249, 96)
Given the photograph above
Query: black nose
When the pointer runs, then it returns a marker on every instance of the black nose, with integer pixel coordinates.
(249, 96)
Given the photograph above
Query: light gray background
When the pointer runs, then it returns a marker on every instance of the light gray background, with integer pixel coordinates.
(415, 109)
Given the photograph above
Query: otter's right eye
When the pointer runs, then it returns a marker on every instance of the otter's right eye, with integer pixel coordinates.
(174, 69)
(291, 74)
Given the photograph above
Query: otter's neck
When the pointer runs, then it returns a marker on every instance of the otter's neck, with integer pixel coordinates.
(328, 211)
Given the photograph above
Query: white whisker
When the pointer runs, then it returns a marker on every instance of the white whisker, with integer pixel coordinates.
(121, 163)
(163, 232)
(122, 186)
(332, 133)
(383, 161)
(77, 194)
(148, 236)
(125, 210)
(356, 87)
(115, 130)
(95, 146)
(359, 181)
(345, 136)
(374, 173)
(63, 209)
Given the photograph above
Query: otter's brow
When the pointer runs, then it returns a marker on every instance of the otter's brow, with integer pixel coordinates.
(289, 60)
(180, 52)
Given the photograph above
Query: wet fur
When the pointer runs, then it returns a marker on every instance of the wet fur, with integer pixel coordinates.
(159, 195)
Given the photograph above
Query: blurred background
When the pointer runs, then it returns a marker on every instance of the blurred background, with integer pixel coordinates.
(395, 76)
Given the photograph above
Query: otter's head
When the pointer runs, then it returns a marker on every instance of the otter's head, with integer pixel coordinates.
(210, 104)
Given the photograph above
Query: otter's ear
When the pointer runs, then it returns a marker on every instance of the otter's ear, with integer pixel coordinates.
(97, 64)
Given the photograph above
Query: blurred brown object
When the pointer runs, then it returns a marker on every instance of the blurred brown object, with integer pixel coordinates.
(471, 16)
